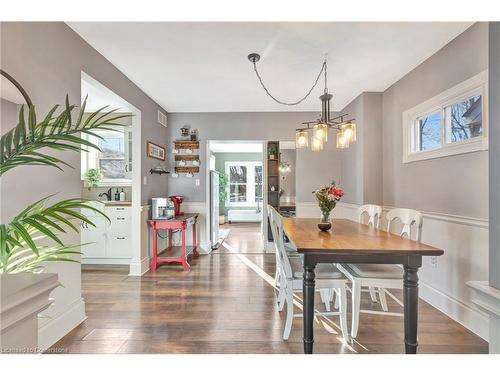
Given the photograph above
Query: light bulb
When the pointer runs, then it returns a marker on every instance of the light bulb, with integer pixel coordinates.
(320, 131)
(301, 139)
(316, 144)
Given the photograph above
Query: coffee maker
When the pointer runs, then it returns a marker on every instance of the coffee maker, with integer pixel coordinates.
(177, 199)
(162, 209)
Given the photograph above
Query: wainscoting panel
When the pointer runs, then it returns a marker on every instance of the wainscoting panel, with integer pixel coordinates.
(442, 279)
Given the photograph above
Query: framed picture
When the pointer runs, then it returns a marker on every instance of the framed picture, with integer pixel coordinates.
(155, 151)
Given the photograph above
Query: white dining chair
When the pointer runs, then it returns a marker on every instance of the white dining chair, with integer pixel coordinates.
(290, 280)
(382, 276)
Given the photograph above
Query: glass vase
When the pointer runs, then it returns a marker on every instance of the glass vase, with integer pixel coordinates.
(325, 223)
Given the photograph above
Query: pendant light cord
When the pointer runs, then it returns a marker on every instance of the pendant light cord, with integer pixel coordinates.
(323, 69)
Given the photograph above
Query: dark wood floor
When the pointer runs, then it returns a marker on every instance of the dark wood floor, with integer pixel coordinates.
(226, 304)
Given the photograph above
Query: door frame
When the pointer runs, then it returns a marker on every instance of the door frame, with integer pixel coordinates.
(263, 226)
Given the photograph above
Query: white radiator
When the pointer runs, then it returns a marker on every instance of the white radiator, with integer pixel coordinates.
(244, 216)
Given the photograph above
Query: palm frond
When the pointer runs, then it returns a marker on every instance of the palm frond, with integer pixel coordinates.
(20, 146)
(40, 220)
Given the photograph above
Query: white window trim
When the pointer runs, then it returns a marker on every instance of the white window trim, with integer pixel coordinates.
(477, 85)
(250, 187)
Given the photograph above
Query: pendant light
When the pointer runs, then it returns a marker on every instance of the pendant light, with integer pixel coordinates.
(316, 144)
(320, 131)
(301, 139)
(346, 128)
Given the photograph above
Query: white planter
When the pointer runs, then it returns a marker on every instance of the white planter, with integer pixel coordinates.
(22, 297)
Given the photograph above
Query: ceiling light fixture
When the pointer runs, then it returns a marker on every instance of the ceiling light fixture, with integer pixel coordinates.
(319, 127)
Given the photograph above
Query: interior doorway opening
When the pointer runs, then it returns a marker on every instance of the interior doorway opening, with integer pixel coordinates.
(236, 194)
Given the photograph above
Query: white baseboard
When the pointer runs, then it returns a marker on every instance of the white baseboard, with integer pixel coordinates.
(60, 326)
(114, 261)
(470, 318)
(139, 268)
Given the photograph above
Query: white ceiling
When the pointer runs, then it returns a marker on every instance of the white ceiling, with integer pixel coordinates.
(203, 67)
(234, 147)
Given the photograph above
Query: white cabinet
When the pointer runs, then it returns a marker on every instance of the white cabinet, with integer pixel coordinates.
(110, 240)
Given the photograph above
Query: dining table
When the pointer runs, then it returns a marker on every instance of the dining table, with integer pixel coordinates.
(352, 242)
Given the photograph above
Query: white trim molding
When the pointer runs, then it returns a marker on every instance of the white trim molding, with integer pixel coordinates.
(476, 85)
(61, 325)
(487, 299)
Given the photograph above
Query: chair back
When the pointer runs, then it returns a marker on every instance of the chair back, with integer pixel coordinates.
(276, 221)
(373, 211)
(409, 218)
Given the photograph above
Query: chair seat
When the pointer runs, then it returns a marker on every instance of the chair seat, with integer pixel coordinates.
(375, 271)
(290, 248)
(322, 271)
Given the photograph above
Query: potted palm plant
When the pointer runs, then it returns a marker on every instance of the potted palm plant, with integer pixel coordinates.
(33, 236)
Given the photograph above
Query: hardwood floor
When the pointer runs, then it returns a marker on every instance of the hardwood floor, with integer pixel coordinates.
(244, 237)
(226, 304)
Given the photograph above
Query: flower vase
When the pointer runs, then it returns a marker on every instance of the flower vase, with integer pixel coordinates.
(325, 224)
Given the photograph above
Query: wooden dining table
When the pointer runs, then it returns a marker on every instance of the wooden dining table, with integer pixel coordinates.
(352, 242)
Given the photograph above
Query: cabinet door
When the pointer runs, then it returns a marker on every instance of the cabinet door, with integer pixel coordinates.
(118, 246)
(95, 237)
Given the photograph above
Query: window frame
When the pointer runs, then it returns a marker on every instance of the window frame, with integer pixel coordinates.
(250, 191)
(477, 85)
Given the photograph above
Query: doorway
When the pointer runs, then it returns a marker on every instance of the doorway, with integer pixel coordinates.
(118, 161)
(236, 199)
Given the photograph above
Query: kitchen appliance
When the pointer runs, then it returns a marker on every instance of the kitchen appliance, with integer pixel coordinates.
(162, 209)
(214, 209)
(177, 199)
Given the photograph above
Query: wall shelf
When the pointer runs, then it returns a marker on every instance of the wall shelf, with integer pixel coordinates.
(187, 157)
(154, 171)
(187, 169)
(186, 145)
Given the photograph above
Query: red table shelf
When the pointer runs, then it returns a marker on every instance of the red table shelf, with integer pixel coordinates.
(174, 254)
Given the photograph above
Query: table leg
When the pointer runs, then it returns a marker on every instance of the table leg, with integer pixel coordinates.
(308, 294)
(410, 297)
(155, 250)
(195, 243)
(169, 234)
(185, 264)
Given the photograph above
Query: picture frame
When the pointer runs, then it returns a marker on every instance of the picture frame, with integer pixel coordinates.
(155, 151)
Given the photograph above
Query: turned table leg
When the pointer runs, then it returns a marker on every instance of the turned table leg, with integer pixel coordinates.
(410, 297)
(308, 293)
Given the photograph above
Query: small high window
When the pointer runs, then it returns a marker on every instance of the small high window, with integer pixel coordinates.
(453, 122)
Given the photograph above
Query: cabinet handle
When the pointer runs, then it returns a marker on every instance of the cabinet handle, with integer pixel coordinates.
(120, 218)
(120, 238)
(120, 208)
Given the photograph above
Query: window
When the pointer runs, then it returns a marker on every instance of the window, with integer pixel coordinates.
(245, 183)
(115, 157)
(451, 123)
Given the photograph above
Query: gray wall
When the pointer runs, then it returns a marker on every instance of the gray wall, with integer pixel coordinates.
(313, 168)
(220, 166)
(53, 56)
(47, 59)
(361, 172)
(287, 180)
(453, 185)
(494, 139)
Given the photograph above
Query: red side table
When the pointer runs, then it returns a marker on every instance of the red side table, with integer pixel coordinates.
(175, 254)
